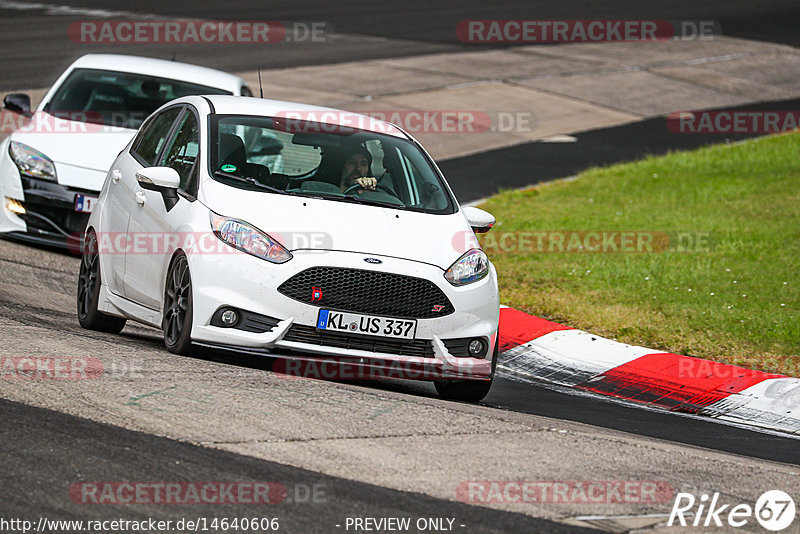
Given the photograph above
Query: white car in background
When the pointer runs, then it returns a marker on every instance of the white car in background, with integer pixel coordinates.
(193, 234)
(52, 168)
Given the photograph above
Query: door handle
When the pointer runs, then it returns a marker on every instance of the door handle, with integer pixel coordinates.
(140, 198)
(116, 174)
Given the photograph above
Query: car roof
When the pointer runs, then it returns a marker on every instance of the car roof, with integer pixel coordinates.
(162, 68)
(240, 105)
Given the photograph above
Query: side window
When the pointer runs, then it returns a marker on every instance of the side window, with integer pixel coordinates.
(422, 189)
(183, 150)
(376, 149)
(152, 139)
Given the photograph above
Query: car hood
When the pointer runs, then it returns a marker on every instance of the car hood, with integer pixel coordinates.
(87, 146)
(313, 223)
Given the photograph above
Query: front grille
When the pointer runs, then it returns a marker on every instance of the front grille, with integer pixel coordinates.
(50, 207)
(53, 220)
(399, 347)
(371, 292)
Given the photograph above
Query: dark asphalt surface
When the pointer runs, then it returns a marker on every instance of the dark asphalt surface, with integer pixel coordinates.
(481, 175)
(43, 453)
(557, 403)
(37, 46)
(516, 396)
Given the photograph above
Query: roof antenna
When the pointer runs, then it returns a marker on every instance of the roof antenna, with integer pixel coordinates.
(260, 87)
(173, 56)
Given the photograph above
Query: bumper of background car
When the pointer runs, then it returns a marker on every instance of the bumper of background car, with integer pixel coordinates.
(286, 327)
(49, 216)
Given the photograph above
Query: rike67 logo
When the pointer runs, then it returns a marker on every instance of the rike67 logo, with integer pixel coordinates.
(774, 510)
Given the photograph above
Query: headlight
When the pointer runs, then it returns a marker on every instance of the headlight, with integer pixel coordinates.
(250, 239)
(31, 162)
(471, 267)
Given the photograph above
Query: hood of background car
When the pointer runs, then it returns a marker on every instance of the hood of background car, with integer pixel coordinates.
(93, 149)
(313, 223)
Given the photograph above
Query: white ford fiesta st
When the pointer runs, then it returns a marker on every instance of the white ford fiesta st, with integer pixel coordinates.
(53, 165)
(323, 238)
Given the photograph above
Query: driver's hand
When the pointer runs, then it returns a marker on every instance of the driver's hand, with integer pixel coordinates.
(367, 182)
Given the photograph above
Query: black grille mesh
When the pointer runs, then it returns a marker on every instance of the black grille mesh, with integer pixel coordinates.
(370, 292)
(400, 347)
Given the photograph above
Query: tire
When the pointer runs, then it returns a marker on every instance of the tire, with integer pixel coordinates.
(178, 302)
(468, 390)
(89, 291)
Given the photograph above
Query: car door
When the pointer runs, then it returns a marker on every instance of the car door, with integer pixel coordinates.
(152, 225)
(122, 188)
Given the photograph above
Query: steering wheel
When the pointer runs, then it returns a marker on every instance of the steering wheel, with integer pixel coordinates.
(379, 187)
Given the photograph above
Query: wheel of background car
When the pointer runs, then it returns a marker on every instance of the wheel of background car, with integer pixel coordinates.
(177, 322)
(89, 291)
(468, 390)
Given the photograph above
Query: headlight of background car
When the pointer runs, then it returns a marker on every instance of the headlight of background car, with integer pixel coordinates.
(471, 267)
(31, 162)
(250, 239)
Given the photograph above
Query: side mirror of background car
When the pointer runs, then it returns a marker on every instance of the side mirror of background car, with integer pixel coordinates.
(18, 103)
(165, 180)
(480, 221)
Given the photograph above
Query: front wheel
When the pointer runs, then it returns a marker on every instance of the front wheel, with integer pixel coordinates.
(177, 322)
(468, 390)
(89, 292)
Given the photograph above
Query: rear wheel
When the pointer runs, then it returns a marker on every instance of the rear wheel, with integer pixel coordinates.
(89, 291)
(177, 322)
(468, 390)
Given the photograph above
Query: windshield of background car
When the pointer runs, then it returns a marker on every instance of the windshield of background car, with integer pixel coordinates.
(118, 98)
(308, 158)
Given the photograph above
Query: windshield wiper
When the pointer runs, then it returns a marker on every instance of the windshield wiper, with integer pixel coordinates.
(251, 181)
(375, 202)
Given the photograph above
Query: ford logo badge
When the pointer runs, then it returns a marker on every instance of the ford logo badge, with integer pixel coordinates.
(372, 260)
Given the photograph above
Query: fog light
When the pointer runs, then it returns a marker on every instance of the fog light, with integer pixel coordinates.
(477, 348)
(229, 317)
(14, 206)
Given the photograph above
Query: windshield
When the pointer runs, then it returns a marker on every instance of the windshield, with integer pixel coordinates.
(121, 99)
(320, 160)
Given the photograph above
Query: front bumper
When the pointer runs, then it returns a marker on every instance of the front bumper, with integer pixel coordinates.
(50, 217)
(432, 354)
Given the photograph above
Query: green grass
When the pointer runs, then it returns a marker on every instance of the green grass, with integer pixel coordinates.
(734, 299)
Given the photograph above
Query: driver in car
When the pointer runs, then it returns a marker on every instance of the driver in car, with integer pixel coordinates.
(357, 166)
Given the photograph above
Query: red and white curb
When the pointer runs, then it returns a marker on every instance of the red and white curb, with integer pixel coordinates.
(535, 348)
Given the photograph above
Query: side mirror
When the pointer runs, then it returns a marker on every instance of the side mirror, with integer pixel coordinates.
(480, 221)
(18, 103)
(164, 180)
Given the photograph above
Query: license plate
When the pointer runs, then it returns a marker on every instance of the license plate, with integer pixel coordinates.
(355, 323)
(85, 203)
